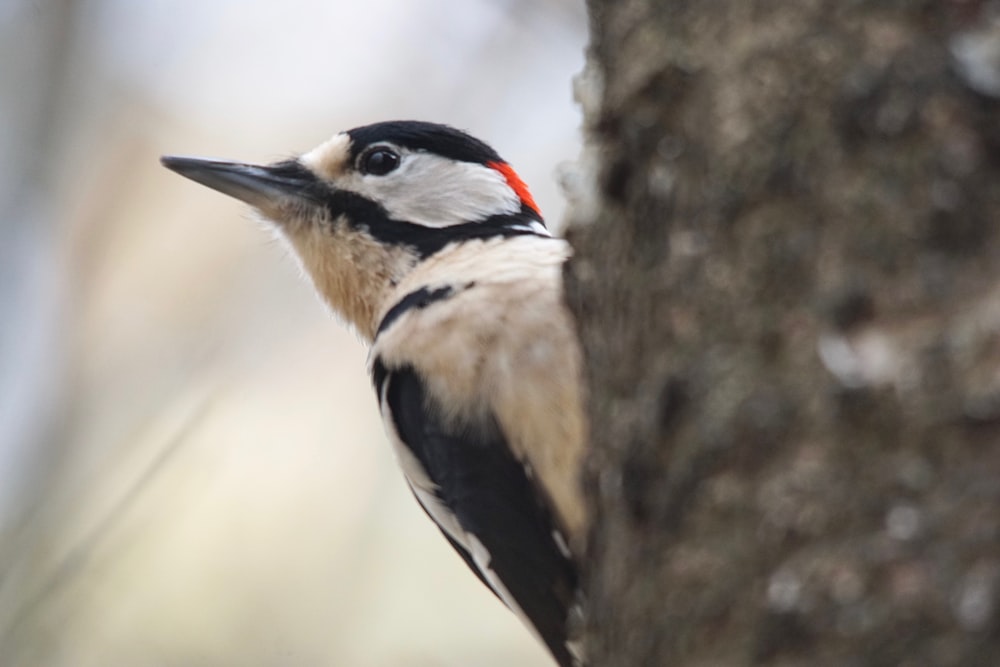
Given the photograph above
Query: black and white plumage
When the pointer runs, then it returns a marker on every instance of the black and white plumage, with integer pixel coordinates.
(429, 244)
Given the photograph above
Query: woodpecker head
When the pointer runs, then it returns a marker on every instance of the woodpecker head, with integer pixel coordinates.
(363, 208)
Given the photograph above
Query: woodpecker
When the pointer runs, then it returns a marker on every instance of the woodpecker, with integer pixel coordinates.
(432, 248)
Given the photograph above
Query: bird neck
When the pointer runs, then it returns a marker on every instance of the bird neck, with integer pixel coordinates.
(353, 273)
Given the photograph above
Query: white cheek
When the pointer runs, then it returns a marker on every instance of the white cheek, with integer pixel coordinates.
(436, 192)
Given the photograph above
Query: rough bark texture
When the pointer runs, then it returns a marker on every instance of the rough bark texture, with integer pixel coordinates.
(788, 288)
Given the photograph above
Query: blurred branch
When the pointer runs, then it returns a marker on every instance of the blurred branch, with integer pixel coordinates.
(173, 427)
(36, 46)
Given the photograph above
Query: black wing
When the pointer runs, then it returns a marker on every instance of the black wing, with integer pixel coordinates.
(479, 480)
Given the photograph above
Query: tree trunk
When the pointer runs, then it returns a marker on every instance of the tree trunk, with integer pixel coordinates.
(787, 283)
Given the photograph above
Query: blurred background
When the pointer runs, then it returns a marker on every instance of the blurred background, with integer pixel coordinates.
(192, 469)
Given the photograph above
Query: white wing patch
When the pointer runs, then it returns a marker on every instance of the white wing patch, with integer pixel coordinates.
(426, 492)
(416, 476)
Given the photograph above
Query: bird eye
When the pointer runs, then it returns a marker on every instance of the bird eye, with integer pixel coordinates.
(379, 162)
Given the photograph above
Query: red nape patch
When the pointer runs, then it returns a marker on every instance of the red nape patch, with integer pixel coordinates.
(516, 184)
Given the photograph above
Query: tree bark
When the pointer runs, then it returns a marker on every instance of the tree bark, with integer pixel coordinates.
(787, 283)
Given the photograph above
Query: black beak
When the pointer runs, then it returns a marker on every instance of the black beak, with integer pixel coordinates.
(259, 186)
